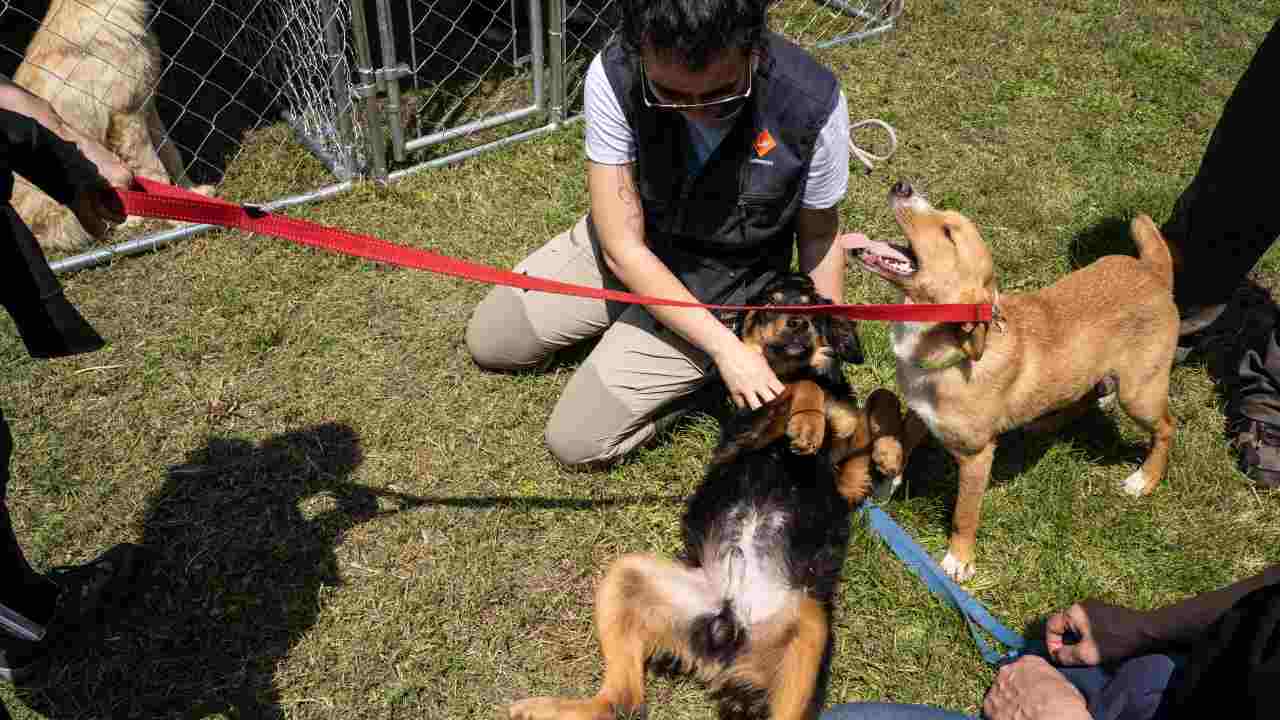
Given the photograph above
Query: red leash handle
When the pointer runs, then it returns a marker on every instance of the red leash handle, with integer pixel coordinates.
(158, 200)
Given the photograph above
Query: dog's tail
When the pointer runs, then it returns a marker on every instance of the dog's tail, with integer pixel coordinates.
(1153, 250)
(718, 636)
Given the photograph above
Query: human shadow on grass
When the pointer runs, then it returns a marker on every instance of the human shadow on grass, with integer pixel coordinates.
(241, 541)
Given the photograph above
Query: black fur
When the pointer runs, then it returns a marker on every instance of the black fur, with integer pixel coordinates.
(810, 545)
(840, 334)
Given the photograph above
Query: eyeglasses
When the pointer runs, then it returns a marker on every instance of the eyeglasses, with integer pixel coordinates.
(721, 107)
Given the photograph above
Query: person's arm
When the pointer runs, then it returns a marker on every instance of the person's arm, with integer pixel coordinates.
(818, 219)
(17, 99)
(619, 221)
(819, 255)
(1106, 632)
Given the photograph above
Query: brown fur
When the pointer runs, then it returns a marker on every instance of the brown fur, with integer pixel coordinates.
(96, 63)
(647, 606)
(636, 613)
(1039, 364)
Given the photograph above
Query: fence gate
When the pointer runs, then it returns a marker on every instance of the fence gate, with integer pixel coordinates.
(433, 72)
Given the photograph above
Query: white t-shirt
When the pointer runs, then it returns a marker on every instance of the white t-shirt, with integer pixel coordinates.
(611, 141)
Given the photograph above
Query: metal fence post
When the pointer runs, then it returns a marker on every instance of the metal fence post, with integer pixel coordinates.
(555, 56)
(391, 79)
(368, 89)
(539, 63)
(344, 108)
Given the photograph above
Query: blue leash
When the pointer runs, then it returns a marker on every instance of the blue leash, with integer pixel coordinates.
(919, 562)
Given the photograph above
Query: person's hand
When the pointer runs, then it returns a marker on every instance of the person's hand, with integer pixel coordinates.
(1031, 689)
(97, 207)
(110, 167)
(1060, 626)
(747, 376)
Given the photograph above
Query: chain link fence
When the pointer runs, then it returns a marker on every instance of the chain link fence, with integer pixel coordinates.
(183, 90)
(370, 88)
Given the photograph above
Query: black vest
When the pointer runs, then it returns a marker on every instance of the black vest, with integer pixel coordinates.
(726, 230)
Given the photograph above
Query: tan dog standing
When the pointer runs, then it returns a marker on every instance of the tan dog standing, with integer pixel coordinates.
(97, 64)
(1038, 364)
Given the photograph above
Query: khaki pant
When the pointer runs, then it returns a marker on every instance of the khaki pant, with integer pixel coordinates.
(630, 384)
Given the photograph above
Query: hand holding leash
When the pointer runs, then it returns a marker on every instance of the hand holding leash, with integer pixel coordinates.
(1069, 638)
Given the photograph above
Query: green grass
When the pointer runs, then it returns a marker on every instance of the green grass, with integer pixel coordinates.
(353, 521)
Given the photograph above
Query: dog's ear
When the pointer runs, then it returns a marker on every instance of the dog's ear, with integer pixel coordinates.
(972, 336)
(843, 335)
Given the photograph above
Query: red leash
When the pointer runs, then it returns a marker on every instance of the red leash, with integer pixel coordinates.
(158, 200)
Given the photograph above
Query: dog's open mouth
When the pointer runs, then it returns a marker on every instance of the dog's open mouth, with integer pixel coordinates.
(790, 348)
(883, 258)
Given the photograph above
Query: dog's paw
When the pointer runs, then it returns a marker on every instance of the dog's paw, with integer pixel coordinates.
(806, 431)
(551, 708)
(956, 569)
(1136, 484)
(888, 456)
(885, 489)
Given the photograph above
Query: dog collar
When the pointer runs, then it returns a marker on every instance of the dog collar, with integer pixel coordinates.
(956, 357)
(997, 317)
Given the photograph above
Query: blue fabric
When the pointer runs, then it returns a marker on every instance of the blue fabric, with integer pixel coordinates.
(919, 562)
(1129, 691)
(703, 140)
(889, 711)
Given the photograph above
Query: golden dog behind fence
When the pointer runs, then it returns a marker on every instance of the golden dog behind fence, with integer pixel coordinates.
(97, 64)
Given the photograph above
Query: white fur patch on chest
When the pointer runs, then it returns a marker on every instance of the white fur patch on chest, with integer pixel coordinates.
(915, 383)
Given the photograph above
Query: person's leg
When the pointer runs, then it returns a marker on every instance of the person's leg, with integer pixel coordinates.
(62, 602)
(1226, 219)
(22, 590)
(640, 377)
(1135, 689)
(1222, 224)
(889, 711)
(514, 329)
(1257, 403)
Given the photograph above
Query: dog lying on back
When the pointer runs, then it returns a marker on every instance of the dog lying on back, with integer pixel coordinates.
(747, 608)
(1040, 364)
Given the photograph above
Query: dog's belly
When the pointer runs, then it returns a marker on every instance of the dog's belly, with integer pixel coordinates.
(745, 565)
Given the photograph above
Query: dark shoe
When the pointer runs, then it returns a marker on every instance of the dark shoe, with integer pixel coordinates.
(1193, 343)
(1259, 446)
(87, 593)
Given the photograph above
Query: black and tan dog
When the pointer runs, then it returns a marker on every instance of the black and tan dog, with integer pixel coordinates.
(806, 352)
(747, 608)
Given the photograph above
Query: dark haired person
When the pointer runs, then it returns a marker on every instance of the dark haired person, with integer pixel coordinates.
(39, 610)
(717, 151)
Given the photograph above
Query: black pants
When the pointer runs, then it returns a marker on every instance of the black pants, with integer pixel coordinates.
(1229, 216)
(21, 588)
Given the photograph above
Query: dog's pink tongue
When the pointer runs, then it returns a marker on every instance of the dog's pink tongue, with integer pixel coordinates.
(858, 243)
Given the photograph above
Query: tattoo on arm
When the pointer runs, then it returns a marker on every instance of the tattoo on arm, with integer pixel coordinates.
(630, 199)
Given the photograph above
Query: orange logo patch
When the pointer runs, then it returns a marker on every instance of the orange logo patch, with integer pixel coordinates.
(764, 143)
